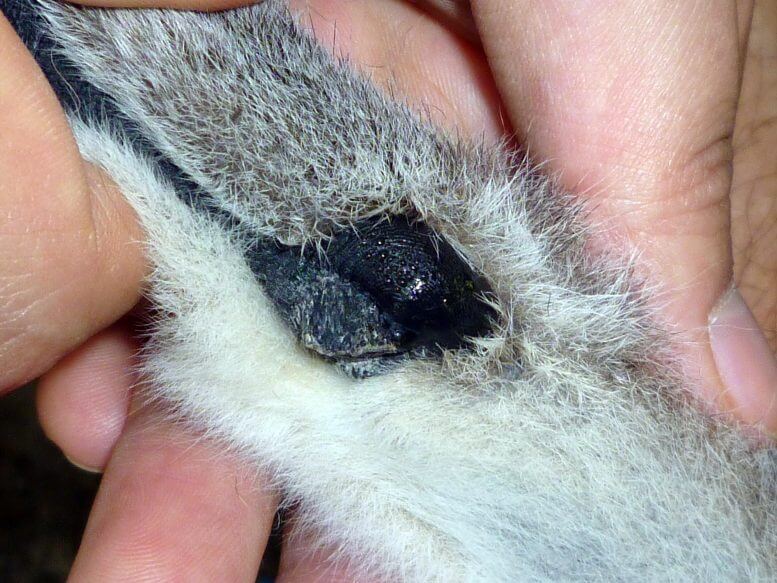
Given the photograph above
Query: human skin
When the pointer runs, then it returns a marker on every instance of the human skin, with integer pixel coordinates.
(672, 144)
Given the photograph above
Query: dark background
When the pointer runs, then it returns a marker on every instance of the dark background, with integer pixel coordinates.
(44, 500)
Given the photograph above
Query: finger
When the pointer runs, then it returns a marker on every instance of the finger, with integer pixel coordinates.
(635, 103)
(171, 508)
(82, 402)
(402, 48)
(753, 200)
(69, 263)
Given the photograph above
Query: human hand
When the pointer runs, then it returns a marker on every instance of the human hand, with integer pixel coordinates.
(642, 109)
(636, 170)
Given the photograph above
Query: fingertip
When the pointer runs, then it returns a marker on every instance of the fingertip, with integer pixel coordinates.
(745, 363)
(83, 401)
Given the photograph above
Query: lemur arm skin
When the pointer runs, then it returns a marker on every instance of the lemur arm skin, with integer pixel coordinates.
(553, 443)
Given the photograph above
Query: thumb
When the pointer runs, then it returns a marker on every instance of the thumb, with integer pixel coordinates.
(70, 262)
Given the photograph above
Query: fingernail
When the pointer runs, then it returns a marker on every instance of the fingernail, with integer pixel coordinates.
(745, 362)
(89, 469)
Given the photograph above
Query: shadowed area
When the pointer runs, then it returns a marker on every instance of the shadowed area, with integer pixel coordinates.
(44, 501)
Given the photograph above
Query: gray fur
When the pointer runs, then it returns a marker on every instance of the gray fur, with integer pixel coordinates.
(561, 448)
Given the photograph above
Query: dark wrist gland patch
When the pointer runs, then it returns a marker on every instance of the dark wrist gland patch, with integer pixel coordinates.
(383, 290)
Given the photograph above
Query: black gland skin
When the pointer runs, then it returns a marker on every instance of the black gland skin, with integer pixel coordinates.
(414, 275)
(379, 291)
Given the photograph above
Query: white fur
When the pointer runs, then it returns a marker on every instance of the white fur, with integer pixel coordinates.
(560, 449)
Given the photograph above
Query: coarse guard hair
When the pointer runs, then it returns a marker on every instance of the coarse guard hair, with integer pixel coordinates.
(550, 441)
